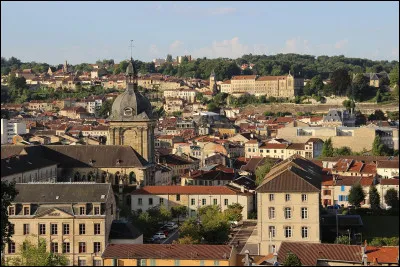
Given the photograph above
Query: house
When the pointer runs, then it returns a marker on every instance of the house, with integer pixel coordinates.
(315, 254)
(191, 196)
(288, 202)
(387, 168)
(214, 177)
(343, 184)
(383, 186)
(169, 255)
(74, 219)
(178, 164)
(339, 117)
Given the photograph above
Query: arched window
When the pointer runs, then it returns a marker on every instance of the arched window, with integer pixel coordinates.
(77, 176)
(132, 178)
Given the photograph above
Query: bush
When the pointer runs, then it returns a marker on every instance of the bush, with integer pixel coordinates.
(252, 215)
(384, 241)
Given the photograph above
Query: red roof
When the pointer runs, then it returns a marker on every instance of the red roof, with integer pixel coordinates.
(389, 182)
(383, 254)
(189, 190)
(273, 146)
(168, 251)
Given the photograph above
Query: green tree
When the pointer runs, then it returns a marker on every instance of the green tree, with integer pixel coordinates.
(8, 193)
(348, 104)
(186, 240)
(190, 228)
(392, 198)
(344, 240)
(165, 214)
(169, 58)
(215, 225)
(340, 81)
(394, 76)
(234, 212)
(377, 115)
(374, 198)
(105, 109)
(378, 148)
(327, 148)
(291, 259)
(178, 211)
(393, 116)
(343, 151)
(378, 96)
(212, 107)
(261, 172)
(36, 255)
(356, 195)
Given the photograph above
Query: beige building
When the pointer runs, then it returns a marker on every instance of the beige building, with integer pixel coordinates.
(243, 83)
(191, 196)
(384, 186)
(356, 138)
(40, 105)
(288, 203)
(226, 87)
(188, 95)
(387, 168)
(74, 219)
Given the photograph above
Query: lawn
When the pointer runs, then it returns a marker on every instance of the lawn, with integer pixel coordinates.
(380, 226)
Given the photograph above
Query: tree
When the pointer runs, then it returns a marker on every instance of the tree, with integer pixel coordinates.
(186, 240)
(212, 107)
(392, 198)
(378, 96)
(356, 195)
(394, 76)
(169, 58)
(327, 148)
(343, 151)
(349, 104)
(344, 240)
(262, 171)
(8, 193)
(377, 115)
(374, 198)
(215, 225)
(190, 228)
(378, 148)
(393, 116)
(291, 259)
(178, 211)
(340, 81)
(36, 255)
(234, 212)
(165, 214)
(105, 109)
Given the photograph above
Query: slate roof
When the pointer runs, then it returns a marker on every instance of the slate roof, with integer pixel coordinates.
(168, 251)
(188, 189)
(23, 163)
(80, 156)
(123, 230)
(67, 193)
(295, 174)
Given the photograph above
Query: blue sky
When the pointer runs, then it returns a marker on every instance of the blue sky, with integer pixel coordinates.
(87, 31)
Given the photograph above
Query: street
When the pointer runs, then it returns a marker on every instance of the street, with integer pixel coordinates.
(242, 234)
(171, 237)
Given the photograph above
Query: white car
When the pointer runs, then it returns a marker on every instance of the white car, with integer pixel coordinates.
(171, 225)
(159, 235)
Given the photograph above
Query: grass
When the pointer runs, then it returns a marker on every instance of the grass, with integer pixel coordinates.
(380, 226)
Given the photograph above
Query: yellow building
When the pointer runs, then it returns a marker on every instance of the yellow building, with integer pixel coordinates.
(169, 255)
(288, 203)
(74, 219)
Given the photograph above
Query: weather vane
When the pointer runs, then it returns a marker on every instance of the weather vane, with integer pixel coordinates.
(131, 46)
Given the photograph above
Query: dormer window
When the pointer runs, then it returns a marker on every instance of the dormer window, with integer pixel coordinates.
(11, 211)
(128, 111)
(26, 211)
(82, 211)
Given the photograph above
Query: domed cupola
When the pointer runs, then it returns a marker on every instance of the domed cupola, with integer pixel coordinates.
(131, 105)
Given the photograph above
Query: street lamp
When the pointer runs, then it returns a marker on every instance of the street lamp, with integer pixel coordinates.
(348, 231)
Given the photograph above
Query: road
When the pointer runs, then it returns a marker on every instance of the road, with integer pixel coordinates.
(171, 237)
(242, 234)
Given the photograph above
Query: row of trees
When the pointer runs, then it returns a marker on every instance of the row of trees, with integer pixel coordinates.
(357, 196)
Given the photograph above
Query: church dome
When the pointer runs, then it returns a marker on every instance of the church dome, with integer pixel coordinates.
(131, 105)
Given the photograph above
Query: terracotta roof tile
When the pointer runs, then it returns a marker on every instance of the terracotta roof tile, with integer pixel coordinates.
(388, 164)
(164, 251)
(389, 182)
(383, 254)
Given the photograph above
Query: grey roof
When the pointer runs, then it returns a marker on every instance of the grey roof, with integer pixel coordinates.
(81, 156)
(67, 193)
(123, 230)
(333, 115)
(24, 163)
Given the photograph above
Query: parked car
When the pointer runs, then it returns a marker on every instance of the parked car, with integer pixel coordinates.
(171, 225)
(159, 235)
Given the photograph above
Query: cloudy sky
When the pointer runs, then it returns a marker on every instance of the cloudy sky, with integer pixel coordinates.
(87, 31)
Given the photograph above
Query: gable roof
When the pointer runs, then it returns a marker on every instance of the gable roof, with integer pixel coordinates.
(45, 193)
(168, 251)
(23, 163)
(188, 189)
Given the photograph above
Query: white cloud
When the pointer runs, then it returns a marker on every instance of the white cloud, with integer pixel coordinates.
(341, 44)
(226, 48)
(175, 46)
(221, 11)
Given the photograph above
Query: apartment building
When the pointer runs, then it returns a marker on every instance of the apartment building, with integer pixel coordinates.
(288, 204)
(387, 168)
(191, 196)
(356, 138)
(243, 83)
(73, 218)
(312, 148)
(9, 129)
(188, 95)
(339, 117)
(169, 255)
